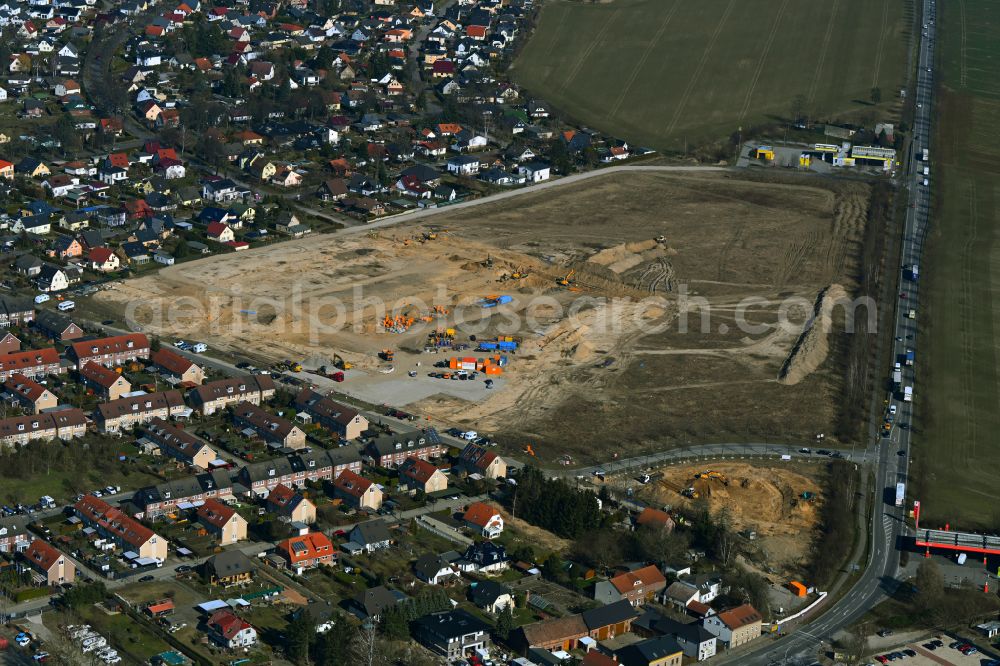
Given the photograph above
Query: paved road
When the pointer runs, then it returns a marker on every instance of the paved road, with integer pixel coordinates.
(888, 521)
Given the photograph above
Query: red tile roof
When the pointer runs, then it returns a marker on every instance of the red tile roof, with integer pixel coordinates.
(227, 624)
(29, 358)
(740, 616)
(115, 521)
(99, 374)
(352, 484)
(647, 577)
(20, 385)
(280, 496)
(111, 345)
(419, 470)
(100, 255)
(171, 361)
(480, 514)
(215, 513)
(42, 555)
(306, 547)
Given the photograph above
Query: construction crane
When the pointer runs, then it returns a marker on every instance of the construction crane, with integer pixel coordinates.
(567, 279)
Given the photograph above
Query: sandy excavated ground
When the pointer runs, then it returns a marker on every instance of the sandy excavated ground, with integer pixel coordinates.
(635, 243)
(767, 500)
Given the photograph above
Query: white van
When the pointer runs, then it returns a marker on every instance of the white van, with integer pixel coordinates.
(66, 306)
(41, 298)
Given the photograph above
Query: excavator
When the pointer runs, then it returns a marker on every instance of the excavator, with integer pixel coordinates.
(690, 493)
(519, 274)
(712, 474)
(340, 363)
(567, 279)
(530, 451)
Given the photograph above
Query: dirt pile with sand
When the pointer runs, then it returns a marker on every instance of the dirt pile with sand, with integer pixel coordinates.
(812, 347)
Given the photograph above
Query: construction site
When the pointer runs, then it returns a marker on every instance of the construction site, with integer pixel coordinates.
(773, 507)
(564, 308)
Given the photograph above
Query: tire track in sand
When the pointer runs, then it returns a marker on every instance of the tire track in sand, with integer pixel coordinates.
(814, 86)
(881, 43)
(590, 49)
(642, 61)
(696, 76)
(763, 59)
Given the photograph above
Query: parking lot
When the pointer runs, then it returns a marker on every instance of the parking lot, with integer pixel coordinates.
(945, 655)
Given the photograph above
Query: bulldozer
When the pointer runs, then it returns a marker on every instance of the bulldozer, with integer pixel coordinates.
(567, 279)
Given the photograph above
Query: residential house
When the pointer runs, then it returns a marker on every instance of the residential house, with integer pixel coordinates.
(167, 496)
(453, 634)
(32, 363)
(484, 557)
(29, 394)
(63, 424)
(535, 172)
(274, 430)
(345, 421)
(434, 569)
(290, 504)
(660, 651)
(127, 532)
(213, 396)
(229, 568)
(306, 551)
(14, 534)
(57, 326)
(9, 343)
(655, 518)
(220, 232)
(124, 413)
(295, 470)
(558, 634)
(483, 519)
(735, 626)
(371, 535)
(52, 278)
(178, 444)
(107, 383)
(356, 491)
(416, 474)
(637, 587)
(16, 311)
(476, 459)
(230, 631)
(491, 596)
(371, 603)
(178, 368)
(605, 622)
(696, 642)
(391, 450)
(103, 260)
(463, 165)
(112, 351)
(51, 565)
(222, 521)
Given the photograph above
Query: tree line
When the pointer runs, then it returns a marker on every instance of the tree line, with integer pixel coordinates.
(554, 504)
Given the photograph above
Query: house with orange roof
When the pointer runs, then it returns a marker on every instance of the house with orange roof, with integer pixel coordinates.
(306, 551)
(356, 491)
(178, 368)
(32, 363)
(222, 521)
(416, 474)
(110, 351)
(105, 382)
(49, 564)
(483, 519)
(6, 170)
(650, 517)
(29, 393)
(637, 587)
(103, 260)
(230, 631)
(284, 501)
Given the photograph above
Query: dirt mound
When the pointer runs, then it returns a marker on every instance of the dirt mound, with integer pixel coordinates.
(813, 344)
(612, 255)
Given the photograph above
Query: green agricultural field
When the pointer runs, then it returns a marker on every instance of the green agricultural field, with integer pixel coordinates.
(960, 461)
(662, 72)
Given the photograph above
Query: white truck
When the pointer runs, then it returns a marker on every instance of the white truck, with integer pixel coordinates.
(907, 394)
(900, 493)
(897, 378)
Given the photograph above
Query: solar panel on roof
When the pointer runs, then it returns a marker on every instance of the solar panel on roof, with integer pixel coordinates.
(299, 547)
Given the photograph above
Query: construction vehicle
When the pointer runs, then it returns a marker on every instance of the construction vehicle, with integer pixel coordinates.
(294, 366)
(430, 235)
(567, 279)
(690, 493)
(387, 355)
(712, 474)
(340, 363)
(765, 153)
(529, 450)
(519, 274)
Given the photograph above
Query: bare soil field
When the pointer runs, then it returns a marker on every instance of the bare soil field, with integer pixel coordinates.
(760, 498)
(651, 343)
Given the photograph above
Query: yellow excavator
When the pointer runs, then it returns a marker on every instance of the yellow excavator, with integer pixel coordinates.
(519, 274)
(340, 363)
(567, 279)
